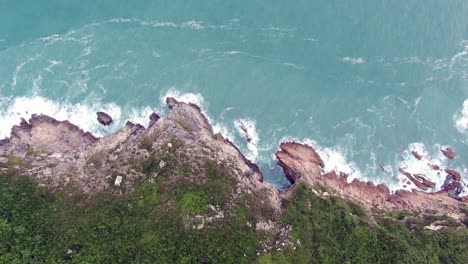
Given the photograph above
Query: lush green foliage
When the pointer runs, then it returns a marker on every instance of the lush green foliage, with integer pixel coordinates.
(36, 227)
(150, 226)
(332, 231)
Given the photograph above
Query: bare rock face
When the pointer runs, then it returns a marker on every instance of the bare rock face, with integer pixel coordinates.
(449, 153)
(302, 164)
(59, 154)
(153, 119)
(297, 160)
(46, 133)
(171, 102)
(104, 118)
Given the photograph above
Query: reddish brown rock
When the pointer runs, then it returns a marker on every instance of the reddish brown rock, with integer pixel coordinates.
(371, 196)
(419, 180)
(434, 166)
(153, 119)
(298, 159)
(417, 155)
(455, 174)
(449, 153)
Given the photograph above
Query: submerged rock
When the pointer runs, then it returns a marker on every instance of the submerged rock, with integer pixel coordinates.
(104, 118)
(417, 155)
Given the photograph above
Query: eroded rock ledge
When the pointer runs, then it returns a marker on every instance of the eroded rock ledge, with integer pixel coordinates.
(301, 163)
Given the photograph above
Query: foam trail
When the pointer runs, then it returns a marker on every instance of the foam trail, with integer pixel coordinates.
(247, 129)
(461, 118)
(358, 60)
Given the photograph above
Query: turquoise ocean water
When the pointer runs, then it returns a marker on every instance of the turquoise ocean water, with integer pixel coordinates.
(363, 81)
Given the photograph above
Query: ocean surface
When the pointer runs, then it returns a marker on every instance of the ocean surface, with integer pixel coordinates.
(363, 81)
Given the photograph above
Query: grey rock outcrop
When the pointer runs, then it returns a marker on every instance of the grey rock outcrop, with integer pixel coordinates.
(104, 118)
(65, 155)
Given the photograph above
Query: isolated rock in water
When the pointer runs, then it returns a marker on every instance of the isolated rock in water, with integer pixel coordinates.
(449, 153)
(104, 118)
(417, 155)
(243, 127)
(153, 119)
(434, 166)
(171, 102)
(455, 174)
(418, 179)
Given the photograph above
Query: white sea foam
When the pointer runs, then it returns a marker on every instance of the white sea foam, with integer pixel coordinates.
(334, 159)
(311, 39)
(247, 129)
(429, 156)
(19, 67)
(461, 118)
(351, 60)
(81, 114)
(193, 25)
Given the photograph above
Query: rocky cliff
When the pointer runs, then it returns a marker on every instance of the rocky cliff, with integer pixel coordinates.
(301, 163)
(59, 155)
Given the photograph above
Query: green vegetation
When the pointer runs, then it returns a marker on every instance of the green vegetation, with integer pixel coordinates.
(148, 226)
(14, 160)
(332, 231)
(152, 225)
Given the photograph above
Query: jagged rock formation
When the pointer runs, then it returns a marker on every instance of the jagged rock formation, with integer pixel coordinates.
(58, 154)
(301, 163)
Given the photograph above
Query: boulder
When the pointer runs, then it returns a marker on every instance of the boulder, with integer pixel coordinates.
(434, 166)
(104, 118)
(153, 119)
(448, 152)
(298, 159)
(118, 181)
(171, 102)
(416, 155)
(455, 174)
(419, 180)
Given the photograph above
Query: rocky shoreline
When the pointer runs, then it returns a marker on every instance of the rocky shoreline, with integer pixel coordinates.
(60, 155)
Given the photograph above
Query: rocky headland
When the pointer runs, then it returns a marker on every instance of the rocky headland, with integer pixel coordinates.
(59, 155)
